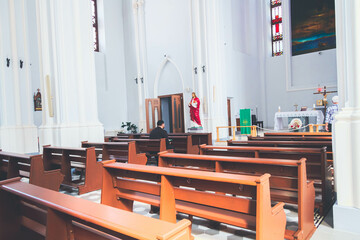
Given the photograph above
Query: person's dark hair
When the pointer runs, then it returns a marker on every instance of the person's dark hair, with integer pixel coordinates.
(160, 122)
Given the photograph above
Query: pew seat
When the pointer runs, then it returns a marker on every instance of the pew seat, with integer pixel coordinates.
(34, 213)
(197, 193)
(288, 181)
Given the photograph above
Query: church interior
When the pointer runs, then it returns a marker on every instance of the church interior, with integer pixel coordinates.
(179, 119)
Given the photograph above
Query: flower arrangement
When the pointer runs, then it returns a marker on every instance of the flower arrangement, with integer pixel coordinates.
(295, 124)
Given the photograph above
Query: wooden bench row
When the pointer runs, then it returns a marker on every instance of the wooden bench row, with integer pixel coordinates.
(31, 212)
(32, 167)
(317, 166)
(302, 144)
(288, 181)
(214, 196)
(120, 151)
(304, 134)
(55, 166)
(291, 138)
(182, 142)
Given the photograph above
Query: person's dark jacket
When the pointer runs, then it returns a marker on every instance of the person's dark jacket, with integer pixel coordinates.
(158, 133)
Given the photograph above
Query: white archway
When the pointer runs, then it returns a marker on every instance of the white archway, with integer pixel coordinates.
(161, 69)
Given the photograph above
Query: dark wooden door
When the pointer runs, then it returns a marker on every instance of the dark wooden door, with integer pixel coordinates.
(229, 115)
(177, 108)
(153, 113)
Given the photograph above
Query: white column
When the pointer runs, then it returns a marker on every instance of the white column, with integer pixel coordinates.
(347, 126)
(216, 94)
(18, 132)
(202, 33)
(139, 48)
(67, 70)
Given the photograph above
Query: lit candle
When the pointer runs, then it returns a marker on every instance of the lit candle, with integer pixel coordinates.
(279, 109)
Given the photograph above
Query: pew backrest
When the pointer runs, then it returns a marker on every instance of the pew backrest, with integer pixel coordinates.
(288, 181)
(291, 138)
(147, 145)
(52, 215)
(29, 166)
(317, 167)
(83, 159)
(298, 134)
(192, 192)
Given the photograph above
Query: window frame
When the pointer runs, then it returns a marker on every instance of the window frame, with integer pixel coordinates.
(95, 25)
(276, 39)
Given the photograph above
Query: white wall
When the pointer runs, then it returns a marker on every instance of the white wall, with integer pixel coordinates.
(34, 56)
(242, 64)
(130, 62)
(293, 80)
(249, 75)
(110, 66)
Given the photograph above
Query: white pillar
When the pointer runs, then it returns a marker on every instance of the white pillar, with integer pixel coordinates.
(347, 125)
(140, 48)
(216, 90)
(67, 70)
(18, 132)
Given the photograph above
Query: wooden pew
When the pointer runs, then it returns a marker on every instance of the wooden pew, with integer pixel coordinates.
(291, 138)
(109, 138)
(301, 144)
(288, 181)
(180, 143)
(34, 213)
(80, 158)
(131, 135)
(317, 166)
(164, 187)
(120, 151)
(32, 167)
(197, 139)
(298, 134)
(151, 147)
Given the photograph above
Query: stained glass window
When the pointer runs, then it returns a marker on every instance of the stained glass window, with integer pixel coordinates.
(95, 25)
(276, 28)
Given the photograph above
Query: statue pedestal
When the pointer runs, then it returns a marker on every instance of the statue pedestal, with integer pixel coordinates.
(195, 129)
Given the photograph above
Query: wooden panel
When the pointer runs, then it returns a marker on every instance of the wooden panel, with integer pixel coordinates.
(152, 107)
(68, 217)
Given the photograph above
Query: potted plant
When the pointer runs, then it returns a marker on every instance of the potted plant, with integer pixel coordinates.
(130, 127)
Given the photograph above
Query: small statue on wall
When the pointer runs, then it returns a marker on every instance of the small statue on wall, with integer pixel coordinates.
(195, 111)
(37, 101)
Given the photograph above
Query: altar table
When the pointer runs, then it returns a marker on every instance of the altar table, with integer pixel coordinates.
(279, 116)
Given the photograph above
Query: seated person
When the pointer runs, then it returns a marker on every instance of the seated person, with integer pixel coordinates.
(159, 132)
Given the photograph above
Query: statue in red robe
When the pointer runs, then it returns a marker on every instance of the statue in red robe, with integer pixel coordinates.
(194, 110)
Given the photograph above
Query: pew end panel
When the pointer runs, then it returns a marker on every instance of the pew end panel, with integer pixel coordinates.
(93, 171)
(306, 204)
(268, 215)
(197, 193)
(51, 179)
(134, 155)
